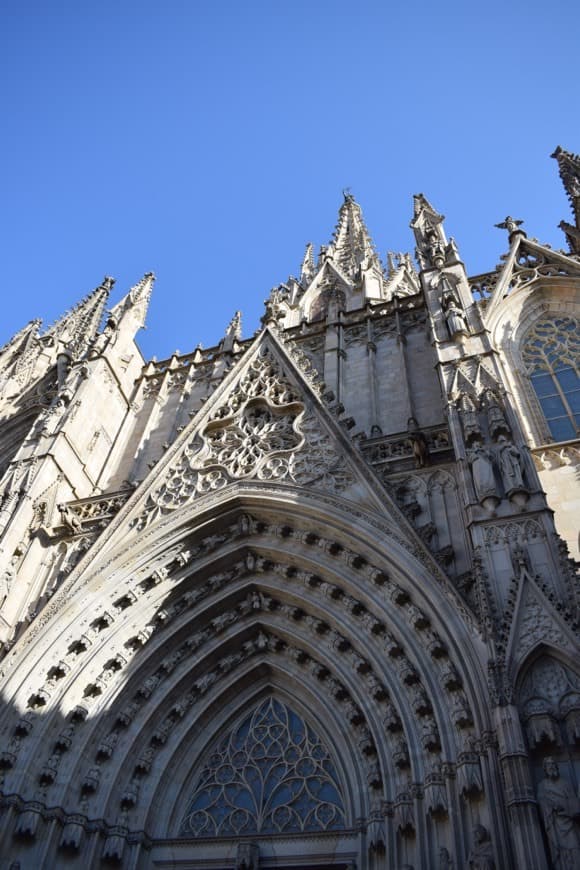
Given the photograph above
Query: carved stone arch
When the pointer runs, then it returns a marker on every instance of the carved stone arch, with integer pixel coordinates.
(354, 686)
(133, 590)
(198, 718)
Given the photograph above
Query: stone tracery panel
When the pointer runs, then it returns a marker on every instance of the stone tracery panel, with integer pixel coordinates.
(271, 774)
(261, 430)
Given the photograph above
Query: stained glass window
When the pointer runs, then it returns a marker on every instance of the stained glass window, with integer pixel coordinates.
(551, 354)
(271, 774)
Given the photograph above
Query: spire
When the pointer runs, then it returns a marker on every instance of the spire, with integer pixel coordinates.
(77, 328)
(135, 303)
(351, 246)
(233, 333)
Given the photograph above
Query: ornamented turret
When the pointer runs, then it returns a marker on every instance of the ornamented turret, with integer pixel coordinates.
(569, 166)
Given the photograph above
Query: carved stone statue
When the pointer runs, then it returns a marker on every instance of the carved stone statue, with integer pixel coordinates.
(418, 443)
(481, 855)
(469, 419)
(454, 315)
(561, 811)
(495, 417)
(69, 519)
(510, 463)
(436, 249)
(482, 471)
(7, 577)
(512, 225)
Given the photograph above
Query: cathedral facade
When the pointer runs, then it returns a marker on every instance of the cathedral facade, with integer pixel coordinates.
(308, 599)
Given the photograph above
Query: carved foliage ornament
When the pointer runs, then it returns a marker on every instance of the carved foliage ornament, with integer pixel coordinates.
(270, 774)
(260, 431)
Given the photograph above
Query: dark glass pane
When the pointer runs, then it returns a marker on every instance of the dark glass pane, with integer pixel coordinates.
(568, 379)
(574, 401)
(271, 774)
(544, 385)
(552, 406)
(562, 429)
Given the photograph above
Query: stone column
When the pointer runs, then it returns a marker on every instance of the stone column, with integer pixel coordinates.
(525, 830)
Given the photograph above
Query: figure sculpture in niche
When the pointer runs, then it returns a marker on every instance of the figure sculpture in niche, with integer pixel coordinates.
(454, 315)
(436, 249)
(510, 463)
(495, 417)
(481, 855)
(561, 812)
(483, 476)
(469, 419)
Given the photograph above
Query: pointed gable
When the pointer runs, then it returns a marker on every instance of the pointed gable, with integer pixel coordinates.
(265, 425)
(535, 622)
(528, 261)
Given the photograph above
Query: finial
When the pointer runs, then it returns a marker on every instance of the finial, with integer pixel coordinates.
(512, 226)
(234, 327)
(232, 334)
(348, 197)
(308, 267)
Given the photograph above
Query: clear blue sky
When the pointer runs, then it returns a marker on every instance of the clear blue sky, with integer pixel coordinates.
(209, 141)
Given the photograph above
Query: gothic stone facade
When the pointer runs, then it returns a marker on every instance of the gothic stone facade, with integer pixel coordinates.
(304, 599)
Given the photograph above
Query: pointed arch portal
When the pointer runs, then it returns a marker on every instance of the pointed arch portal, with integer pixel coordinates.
(257, 614)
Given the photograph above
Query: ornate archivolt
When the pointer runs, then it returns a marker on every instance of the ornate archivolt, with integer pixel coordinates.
(128, 683)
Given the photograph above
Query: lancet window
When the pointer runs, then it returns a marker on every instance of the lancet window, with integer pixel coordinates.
(551, 355)
(271, 774)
